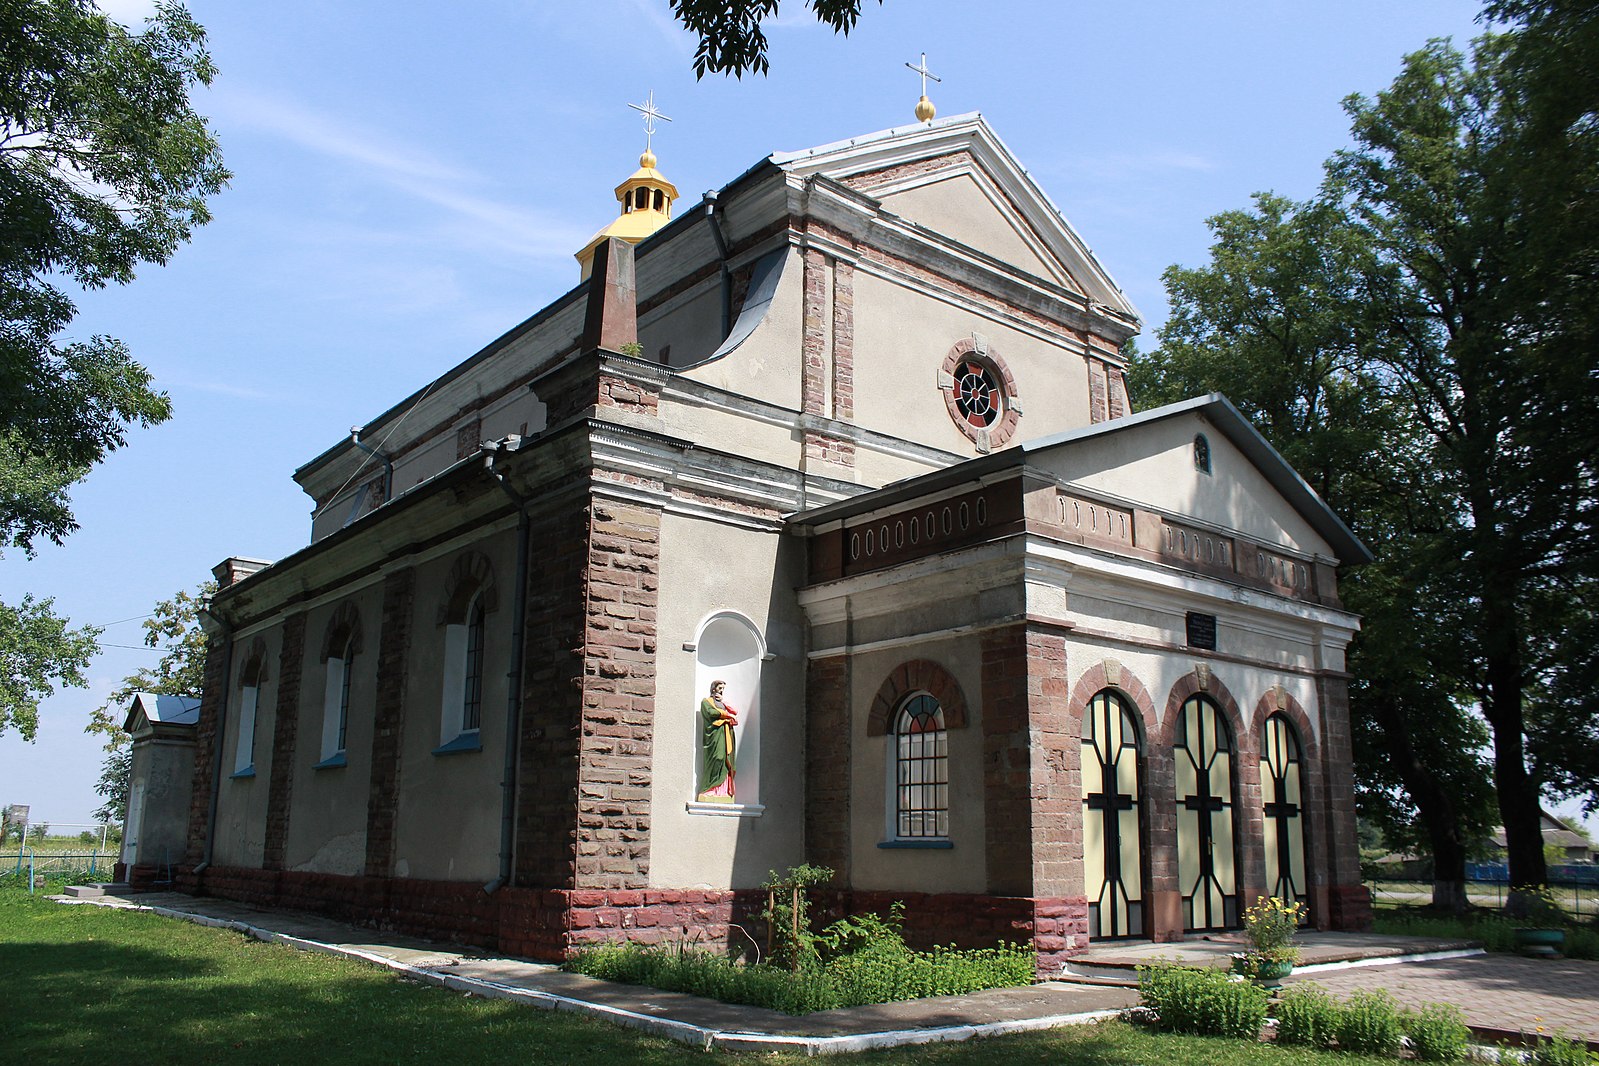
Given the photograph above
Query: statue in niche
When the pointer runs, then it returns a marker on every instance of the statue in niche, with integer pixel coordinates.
(717, 720)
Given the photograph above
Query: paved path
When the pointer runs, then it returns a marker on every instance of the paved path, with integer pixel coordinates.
(1502, 995)
(1499, 993)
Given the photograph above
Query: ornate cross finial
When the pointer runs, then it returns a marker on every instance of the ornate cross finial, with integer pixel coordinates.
(924, 106)
(650, 113)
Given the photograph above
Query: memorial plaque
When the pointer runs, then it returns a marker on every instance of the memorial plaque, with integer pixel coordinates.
(1202, 631)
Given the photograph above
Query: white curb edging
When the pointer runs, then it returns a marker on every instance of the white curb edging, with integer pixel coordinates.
(682, 1032)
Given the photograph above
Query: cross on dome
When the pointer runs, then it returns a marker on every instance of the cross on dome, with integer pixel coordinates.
(650, 113)
(924, 107)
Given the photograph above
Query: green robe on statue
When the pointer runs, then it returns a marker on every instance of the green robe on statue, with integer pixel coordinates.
(716, 751)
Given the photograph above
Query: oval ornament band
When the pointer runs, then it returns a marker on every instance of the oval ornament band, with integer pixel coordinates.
(980, 393)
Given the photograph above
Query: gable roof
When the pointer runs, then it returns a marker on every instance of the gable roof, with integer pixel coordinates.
(970, 133)
(1215, 407)
(150, 709)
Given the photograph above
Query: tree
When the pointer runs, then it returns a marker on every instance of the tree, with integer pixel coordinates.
(1453, 264)
(38, 652)
(174, 629)
(1273, 322)
(104, 165)
(730, 34)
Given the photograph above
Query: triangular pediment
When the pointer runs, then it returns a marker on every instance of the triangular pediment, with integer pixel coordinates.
(956, 178)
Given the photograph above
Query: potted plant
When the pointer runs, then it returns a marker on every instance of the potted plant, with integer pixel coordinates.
(1270, 925)
(1540, 930)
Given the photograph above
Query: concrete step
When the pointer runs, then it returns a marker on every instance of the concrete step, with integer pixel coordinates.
(95, 891)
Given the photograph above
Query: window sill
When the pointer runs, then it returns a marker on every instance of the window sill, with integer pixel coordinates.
(248, 771)
(461, 745)
(726, 810)
(919, 843)
(332, 762)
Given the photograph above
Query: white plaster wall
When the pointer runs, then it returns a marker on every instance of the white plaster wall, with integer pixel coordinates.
(958, 208)
(327, 829)
(165, 770)
(727, 431)
(768, 364)
(707, 567)
(1154, 465)
(961, 868)
(448, 825)
(901, 339)
(240, 838)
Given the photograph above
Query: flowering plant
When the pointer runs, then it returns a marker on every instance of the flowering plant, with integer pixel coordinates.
(1271, 924)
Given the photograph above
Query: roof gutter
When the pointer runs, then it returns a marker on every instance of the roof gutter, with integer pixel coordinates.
(513, 697)
(225, 635)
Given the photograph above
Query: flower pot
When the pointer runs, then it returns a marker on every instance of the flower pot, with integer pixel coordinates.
(1541, 943)
(1268, 973)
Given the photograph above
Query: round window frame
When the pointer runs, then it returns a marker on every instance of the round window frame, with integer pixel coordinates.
(1008, 410)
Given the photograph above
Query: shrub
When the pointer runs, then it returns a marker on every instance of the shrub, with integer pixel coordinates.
(1208, 1002)
(1307, 1016)
(1437, 1033)
(1370, 1024)
(1558, 1051)
(1271, 924)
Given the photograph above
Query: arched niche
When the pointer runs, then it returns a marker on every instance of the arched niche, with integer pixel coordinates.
(729, 647)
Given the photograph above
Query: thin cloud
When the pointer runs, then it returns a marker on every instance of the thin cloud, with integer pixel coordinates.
(658, 17)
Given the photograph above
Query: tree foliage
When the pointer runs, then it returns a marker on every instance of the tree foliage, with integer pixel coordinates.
(1419, 340)
(174, 629)
(731, 39)
(37, 653)
(104, 165)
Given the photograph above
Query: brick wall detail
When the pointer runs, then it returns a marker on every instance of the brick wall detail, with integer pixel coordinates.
(388, 727)
(1348, 902)
(1098, 401)
(843, 341)
(618, 705)
(285, 741)
(827, 765)
(1116, 387)
(814, 336)
(1031, 784)
(213, 690)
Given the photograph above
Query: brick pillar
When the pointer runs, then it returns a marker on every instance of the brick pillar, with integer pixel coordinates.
(1164, 920)
(618, 728)
(843, 341)
(1249, 819)
(1098, 401)
(1032, 787)
(388, 726)
(546, 802)
(1348, 902)
(1116, 390)
(214, 687)
(285, 736)
(828, 747)
(813, 342)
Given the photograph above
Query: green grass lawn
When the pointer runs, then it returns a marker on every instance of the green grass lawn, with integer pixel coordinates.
(84, 984)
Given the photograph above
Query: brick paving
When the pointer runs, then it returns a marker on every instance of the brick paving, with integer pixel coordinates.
(1500, 994)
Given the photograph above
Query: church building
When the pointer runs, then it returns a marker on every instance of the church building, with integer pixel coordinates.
(813, 525)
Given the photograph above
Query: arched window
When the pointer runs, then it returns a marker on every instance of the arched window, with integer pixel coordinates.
(250, 681)
(1207, 863)
(1202, 453)
(336, 704)
(472, 684)
(1113, 853)
(921, 770)
(1282, 796)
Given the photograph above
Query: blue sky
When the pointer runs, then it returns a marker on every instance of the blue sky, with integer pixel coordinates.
(408, 187)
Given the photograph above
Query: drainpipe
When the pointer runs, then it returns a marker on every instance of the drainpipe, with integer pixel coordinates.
(721, 250)
(513, 698)
(388, 464)
(217, 744)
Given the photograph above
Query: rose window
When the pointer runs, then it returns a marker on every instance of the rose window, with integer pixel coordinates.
(977, 393)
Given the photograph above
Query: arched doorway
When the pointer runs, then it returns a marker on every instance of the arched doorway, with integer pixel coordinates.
(1207, 862)
(1113, 843)
(1282, 793)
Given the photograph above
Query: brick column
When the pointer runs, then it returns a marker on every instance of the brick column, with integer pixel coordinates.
(813, 342)
(618, 728)
(828, 748)
(843, 341)
(546, 802)
(388, 727)
(1250, 820)
(1032, 787)
(1098, 401)
(214, 687)
(285, 737)
(1348, 903)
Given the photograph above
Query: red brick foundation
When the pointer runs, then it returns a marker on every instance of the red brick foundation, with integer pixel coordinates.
(549, 923)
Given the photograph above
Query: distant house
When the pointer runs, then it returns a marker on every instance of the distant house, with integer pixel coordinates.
(1573, 845)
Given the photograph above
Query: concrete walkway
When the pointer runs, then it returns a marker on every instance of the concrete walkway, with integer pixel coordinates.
(1499, 993)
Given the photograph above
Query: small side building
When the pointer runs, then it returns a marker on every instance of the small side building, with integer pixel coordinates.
(162, 775)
